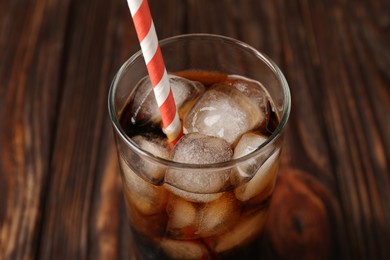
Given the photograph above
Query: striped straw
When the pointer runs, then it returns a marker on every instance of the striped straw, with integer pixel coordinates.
(150, 47)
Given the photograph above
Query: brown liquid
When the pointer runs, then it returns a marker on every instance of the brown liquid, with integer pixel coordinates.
(207, 79)
(152, 231)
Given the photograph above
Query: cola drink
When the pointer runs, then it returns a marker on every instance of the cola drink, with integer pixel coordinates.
(190, 213)
(207, 196)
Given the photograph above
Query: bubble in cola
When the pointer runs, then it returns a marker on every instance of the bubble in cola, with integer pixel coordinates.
(189, 208)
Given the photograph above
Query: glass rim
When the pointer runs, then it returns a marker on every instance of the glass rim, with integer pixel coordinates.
(169, 163)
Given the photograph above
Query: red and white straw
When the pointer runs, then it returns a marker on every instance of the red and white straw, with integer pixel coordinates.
(150, 47)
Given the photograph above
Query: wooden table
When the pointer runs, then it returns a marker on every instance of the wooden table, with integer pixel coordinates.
(60, 193)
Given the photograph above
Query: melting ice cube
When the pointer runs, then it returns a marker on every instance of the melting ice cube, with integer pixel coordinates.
(218, 216)
(146, 197)
(247, 144)
(144, 107)
(225, 112)
(178, 249)
(149, 225)
(189, 220)
(191, 196)
(263, 179)
(246, 229)
(182, 218)
(252, 89)
(197, 148)
(157, 146)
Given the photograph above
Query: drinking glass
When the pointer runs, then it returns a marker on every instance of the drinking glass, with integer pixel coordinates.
(169, 219)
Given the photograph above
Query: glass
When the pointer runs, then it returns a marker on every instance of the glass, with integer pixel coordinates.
(169, 220)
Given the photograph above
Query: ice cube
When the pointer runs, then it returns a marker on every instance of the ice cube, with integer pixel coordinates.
(153, 144)
(182, 219)
(225, 112)
(197, 148)
(153, 226)
(144, 108)
(193, 197)
(218, 216)
(193, 220)
(247, 144)
(252, 89)
(146, 197)
(177, 249)
(246, 229)
(262, 181)
(157, 146)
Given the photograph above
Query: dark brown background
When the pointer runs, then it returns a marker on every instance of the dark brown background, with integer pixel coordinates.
(60, 195)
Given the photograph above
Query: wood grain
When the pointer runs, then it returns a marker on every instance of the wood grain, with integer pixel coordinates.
(30, 90)
(60, 193)
(81, 117)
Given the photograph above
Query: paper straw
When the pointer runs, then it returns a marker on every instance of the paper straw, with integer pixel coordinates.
(150, 47)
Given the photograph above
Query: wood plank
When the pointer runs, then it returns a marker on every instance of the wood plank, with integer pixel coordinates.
(79, 135)
(30, 32)
(306, 149)
(352, 130)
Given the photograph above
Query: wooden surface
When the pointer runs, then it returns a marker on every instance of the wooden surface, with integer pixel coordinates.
(60, 195)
